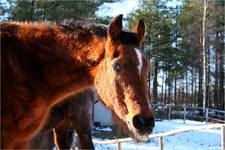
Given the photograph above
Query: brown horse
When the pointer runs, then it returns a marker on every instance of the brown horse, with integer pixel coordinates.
(43, 63)
(75, 113)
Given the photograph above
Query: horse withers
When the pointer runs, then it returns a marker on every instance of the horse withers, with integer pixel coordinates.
(43, 63)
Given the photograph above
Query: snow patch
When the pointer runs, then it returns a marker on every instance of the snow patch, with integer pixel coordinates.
(194, 140)
(104, 129)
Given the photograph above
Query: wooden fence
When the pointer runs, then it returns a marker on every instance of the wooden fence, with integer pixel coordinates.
(169, 133)
(184, 112)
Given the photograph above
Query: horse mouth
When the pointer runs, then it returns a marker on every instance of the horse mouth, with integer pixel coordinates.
(136, 135)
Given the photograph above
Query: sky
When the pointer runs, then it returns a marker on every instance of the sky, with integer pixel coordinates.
(109, 9)
(125, 7)
(173, 3)
(113, 9)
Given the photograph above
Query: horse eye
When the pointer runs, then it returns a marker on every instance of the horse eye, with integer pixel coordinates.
(116, 66)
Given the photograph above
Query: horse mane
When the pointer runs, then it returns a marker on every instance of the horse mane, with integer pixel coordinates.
(76, 30)
(74, 27)
(70, 30)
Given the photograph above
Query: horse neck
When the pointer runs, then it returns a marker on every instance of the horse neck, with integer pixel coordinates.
(86, 53)
(86, 48)
(70, 64)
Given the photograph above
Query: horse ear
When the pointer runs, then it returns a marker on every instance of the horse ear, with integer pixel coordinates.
(115, 27)
(140, 30)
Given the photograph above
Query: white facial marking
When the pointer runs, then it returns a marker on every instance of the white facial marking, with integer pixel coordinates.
(139, 56)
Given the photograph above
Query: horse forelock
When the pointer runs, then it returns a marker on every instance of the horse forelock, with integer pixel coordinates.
(129, 38)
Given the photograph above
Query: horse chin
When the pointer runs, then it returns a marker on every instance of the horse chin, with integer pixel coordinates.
(135, 135)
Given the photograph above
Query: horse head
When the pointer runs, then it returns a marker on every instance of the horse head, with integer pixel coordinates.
(121, 79)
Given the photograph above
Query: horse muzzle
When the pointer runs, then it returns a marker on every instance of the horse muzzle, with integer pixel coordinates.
(140, 127)
(143, 125)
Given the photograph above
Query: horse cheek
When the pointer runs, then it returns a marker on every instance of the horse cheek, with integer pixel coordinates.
(101, 84)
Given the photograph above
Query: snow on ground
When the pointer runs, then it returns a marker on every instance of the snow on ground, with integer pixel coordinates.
(104, 129)
(195, 140)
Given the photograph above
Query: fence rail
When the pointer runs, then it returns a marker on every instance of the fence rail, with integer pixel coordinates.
(189, 112)
(169, 133)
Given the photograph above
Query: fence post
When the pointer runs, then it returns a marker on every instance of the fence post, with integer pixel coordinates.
(185, 113)
(118, 146)
(169, 113)
(161, 143)
(207, 115)
(223, 137)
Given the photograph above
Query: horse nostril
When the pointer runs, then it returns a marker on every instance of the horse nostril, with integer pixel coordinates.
(138, 121)
(144, 124)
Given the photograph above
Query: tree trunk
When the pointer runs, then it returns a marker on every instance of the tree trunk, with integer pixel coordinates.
(169, 93)
(192, 87)
(195, 88)
(216, 95)
(222, 74)
(175, 91)
(208, 84)
(186, 88)
(183, 94)
(205, 3)
(200, 96)
(162, 94)
(165, 93)
(32, 10)
(155, 82)
(179, 97)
